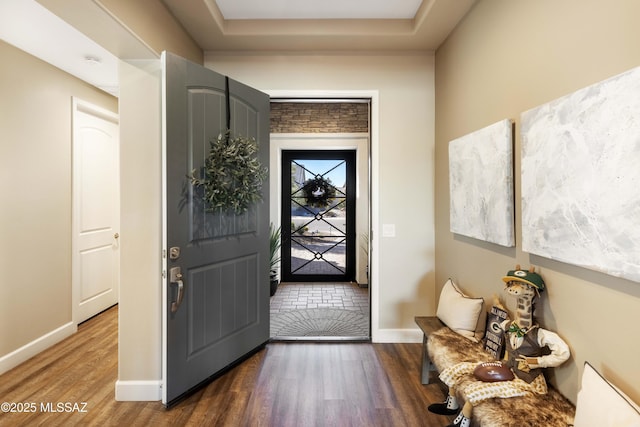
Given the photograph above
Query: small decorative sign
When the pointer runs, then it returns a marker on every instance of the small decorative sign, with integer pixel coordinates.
(494, 336)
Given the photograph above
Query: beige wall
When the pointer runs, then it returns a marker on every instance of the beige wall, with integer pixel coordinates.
(140, 309)
(405, 132)
(504, 58)
(35, 178)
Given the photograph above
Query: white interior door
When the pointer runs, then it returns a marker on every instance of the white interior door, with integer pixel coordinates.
(96, 210)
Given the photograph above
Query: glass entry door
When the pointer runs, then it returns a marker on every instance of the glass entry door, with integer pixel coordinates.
(318, 215)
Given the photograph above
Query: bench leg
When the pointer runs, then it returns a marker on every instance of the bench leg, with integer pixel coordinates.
(426, 362)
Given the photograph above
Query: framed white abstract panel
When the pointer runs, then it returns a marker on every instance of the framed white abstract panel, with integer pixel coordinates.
(481, 184)
(581, 177)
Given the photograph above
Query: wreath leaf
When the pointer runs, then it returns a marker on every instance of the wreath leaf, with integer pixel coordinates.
(232, 175)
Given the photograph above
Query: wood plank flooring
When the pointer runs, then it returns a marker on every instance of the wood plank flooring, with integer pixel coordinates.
(299, 384)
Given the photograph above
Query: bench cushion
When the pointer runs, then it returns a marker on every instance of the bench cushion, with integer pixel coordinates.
(446, 348)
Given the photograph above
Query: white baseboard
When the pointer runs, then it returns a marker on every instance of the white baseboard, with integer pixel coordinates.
(138, 391)
(397, 336)
(27, 351)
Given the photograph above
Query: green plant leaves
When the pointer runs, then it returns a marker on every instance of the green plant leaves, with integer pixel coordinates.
(274, 246)
(232, 175)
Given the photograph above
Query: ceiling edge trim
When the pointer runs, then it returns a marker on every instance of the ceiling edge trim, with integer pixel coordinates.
(364, 53)
(318, 27)
(422, 14)
(216, 14)
(126, 28)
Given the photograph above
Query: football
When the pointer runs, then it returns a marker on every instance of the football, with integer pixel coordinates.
(491, 372)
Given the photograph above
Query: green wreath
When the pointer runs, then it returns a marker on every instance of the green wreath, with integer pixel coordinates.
(232, 176)
(318, 192)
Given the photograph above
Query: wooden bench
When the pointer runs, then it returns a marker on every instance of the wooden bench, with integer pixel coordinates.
(443, 348)
(428, 325)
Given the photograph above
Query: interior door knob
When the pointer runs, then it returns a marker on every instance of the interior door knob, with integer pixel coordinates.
(115, 236)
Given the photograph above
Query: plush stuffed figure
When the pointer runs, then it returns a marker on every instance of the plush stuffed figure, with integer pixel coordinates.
(524, 357)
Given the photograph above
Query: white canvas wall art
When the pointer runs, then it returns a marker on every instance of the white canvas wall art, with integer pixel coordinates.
(581, 177)
(481, 184)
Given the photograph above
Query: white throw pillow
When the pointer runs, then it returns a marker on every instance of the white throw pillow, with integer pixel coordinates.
(462, 314)
(601, 404)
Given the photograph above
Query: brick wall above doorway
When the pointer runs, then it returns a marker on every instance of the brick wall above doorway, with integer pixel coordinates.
(321, 117)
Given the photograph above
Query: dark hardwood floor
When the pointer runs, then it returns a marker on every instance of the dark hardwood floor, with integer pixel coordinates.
(299, 384)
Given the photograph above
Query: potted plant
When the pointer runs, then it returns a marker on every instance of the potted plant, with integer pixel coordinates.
(274, 252)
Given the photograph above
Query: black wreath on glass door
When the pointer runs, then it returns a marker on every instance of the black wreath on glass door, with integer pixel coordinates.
(318, 192)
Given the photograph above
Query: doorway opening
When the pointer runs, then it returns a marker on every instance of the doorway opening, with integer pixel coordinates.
(320, 152)
(95, 261)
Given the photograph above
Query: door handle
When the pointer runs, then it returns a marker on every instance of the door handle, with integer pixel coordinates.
(175, 276)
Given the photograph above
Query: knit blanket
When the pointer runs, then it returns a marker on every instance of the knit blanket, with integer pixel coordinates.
(447, 348)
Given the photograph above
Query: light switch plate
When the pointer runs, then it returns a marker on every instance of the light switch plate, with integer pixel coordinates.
(388, 230)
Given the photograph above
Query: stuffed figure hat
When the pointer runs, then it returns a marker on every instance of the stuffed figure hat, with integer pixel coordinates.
(530, 277)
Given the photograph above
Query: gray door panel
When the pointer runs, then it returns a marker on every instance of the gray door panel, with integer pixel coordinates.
(224, 314)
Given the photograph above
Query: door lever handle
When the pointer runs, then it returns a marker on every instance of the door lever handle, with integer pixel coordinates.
(175, 276)
(176, 304)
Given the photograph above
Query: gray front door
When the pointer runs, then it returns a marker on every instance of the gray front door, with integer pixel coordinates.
(217, 287)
